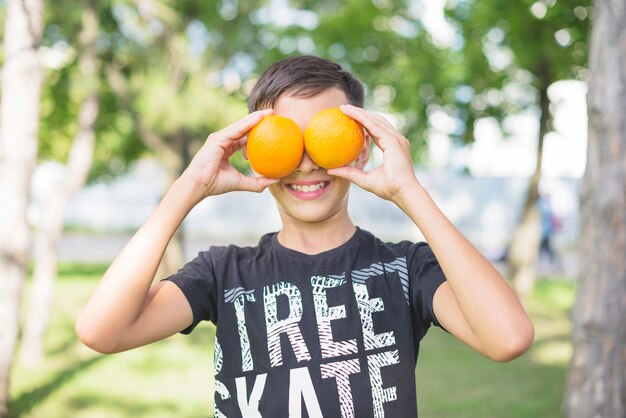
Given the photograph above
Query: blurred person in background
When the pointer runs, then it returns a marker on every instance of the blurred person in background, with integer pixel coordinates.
(550, 225)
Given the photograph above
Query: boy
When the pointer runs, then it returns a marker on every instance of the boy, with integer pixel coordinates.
(320, 316)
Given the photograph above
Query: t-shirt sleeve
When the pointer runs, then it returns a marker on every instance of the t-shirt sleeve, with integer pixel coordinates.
(425, 277)
(198, 283)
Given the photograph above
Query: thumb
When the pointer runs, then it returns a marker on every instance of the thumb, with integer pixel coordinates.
(355, 175)
(255, 184)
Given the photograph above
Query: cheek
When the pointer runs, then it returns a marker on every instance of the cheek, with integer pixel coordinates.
(275, 189)
(341, 185)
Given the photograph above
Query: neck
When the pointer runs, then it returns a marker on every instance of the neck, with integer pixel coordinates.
(316, 237)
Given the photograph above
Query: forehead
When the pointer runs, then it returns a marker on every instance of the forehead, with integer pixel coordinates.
(302, 109)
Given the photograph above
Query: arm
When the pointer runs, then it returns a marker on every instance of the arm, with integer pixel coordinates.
(475, 304)
(125, 311)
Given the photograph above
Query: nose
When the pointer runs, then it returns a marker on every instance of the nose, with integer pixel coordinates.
(306, 165)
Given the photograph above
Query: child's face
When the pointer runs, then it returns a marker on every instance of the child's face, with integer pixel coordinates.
(309, 194)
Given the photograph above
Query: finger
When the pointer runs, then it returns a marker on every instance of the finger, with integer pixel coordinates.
(239, 129)
(255, 184)
(387, 136)
(242, 140)
(355, 175)
(364, 115)
(378, 128)
(235, 146)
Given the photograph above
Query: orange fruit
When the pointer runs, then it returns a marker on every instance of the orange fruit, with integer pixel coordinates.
(333, 139)
(275, 146)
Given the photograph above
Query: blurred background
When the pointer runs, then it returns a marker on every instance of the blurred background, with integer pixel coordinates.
(491, 94)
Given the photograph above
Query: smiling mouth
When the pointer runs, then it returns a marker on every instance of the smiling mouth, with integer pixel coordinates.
(307, 188)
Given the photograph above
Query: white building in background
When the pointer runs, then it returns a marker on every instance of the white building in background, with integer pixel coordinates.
(486, 209)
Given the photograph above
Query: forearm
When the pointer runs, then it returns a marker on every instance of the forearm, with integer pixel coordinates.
(475, 304)
(488, 304)
(122, 291)
(124, 311)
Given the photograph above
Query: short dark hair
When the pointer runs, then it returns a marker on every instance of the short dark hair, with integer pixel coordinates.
(303, 76)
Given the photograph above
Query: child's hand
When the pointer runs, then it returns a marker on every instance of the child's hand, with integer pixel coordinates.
(210, 170)
(396, 173)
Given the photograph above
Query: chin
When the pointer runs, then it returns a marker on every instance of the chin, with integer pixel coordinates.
(311, 213)
(334, 202)
(315, 217)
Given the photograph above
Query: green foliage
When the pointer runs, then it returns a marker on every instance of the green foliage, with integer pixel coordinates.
(190, 65)
(412, 77)
(192, 106)
(174, 59)
(512, 50)
(58, 115)
(117, 144)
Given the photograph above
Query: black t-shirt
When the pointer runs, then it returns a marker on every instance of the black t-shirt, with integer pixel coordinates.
(333, 334)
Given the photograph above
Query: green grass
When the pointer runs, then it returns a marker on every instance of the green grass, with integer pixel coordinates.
(172, 378)
(454, 381)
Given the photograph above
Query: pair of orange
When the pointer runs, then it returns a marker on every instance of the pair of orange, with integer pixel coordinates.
(276, 144)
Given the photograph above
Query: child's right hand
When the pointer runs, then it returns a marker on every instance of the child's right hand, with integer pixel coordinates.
(125, 311)
(210, 170)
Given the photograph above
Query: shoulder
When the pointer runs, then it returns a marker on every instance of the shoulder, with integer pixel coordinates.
(403, 247)
(224, 254)
(416, 254)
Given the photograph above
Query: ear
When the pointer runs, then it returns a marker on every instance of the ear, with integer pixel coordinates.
(364, 156)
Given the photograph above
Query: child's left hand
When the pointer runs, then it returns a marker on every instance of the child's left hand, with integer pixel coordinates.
(396, 174)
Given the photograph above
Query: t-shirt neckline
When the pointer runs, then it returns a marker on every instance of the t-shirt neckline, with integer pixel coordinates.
(281, 249)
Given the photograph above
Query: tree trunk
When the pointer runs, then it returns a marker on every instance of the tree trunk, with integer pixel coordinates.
(596, 385)
(79, 164)
(524, 250)
(175, 164)
(173, 152)
(21, 81)
(172, 259)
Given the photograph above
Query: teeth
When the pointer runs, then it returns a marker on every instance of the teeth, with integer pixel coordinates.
(307, 188)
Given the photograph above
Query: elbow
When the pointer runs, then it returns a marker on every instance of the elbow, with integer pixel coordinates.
(90, 335)
(515, 344)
